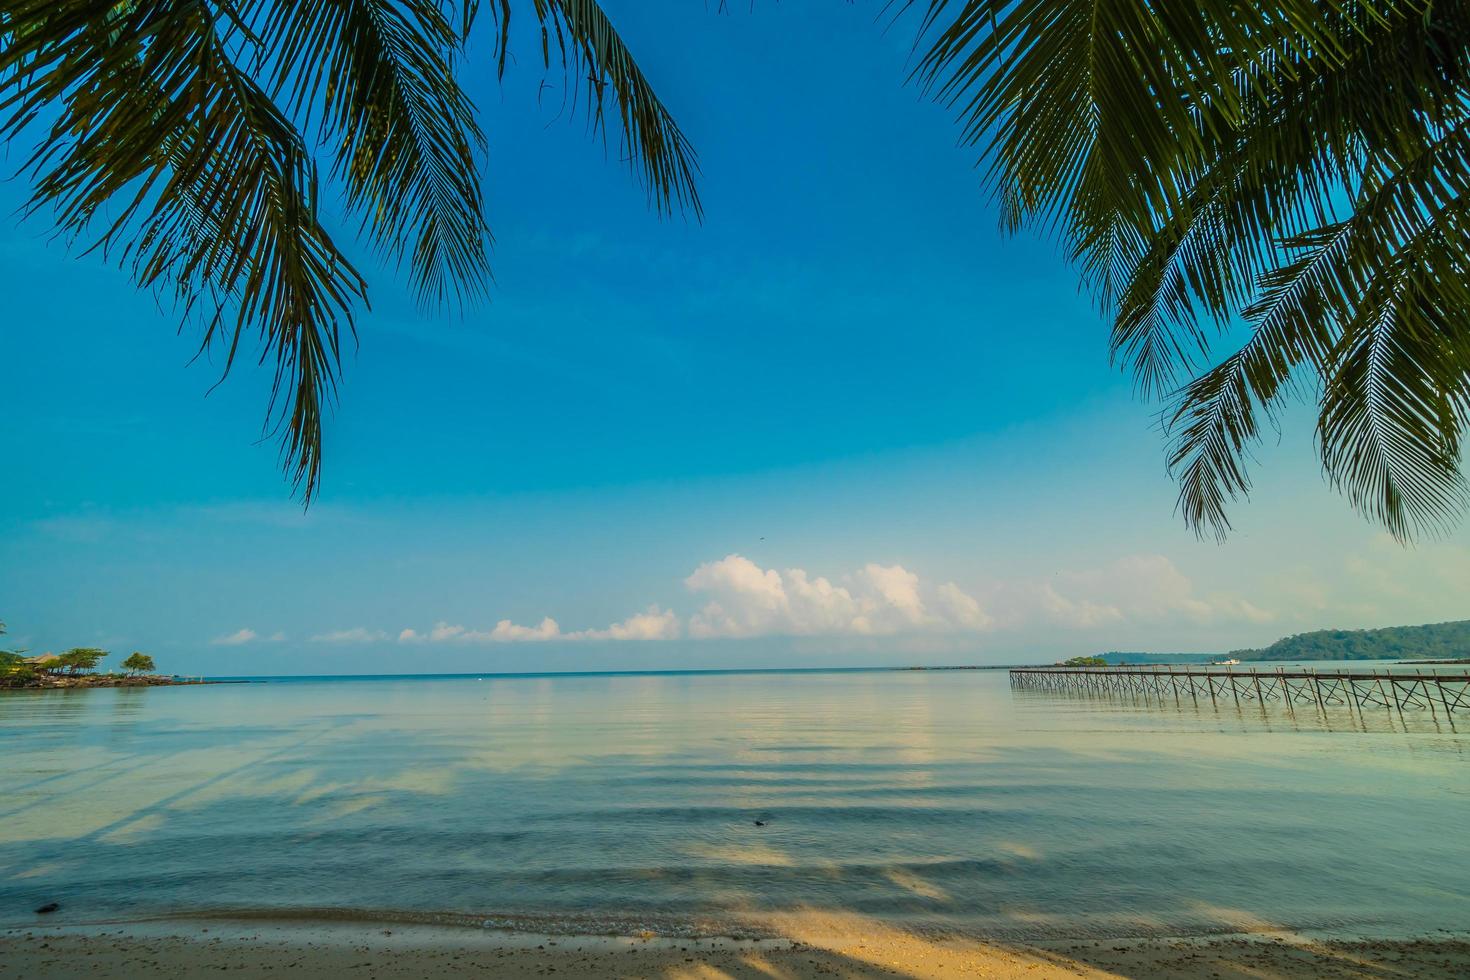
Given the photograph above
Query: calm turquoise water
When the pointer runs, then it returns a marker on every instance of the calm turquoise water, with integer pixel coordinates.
(936, 799)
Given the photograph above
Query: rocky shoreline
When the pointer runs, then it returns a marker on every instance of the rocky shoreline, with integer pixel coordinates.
(52, 682)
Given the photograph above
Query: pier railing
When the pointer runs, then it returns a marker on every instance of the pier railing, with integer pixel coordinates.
(1355, 689)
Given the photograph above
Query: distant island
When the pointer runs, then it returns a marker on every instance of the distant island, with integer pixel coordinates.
(1431, 642)
(1435, 641)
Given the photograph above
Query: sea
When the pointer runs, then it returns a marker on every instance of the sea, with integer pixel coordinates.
(714, 803)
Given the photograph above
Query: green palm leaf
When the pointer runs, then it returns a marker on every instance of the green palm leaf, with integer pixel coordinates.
(579, 35)
(1297, 164)
(217, 194)
(167, 135)
(380, 78)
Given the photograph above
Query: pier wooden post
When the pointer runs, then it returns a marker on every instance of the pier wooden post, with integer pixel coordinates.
(1378, 683)
(1285, 692)
(1428, 698)
(1354, 689)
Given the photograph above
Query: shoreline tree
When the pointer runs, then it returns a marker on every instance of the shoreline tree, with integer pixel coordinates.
(138, 663)
(9, 659)
(77, 660)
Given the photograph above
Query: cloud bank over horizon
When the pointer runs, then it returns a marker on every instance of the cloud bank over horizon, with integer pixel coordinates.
(654, 624)
(735, 598)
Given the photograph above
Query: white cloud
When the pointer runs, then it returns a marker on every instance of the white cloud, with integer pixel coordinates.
(358, 634)
(655, 624)
(747, 600)
(507, 632)
(963, 609)
(650, 625)
(898, 589)
(1136, 588)
(443, 631)
(1225, 607)
(235, 639)
(1077, 613)
(740, 599)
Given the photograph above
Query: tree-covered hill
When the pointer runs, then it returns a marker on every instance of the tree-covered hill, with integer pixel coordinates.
(1436, 641)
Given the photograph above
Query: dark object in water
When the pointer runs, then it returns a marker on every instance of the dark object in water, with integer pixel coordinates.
(48, 908)
(760, 823)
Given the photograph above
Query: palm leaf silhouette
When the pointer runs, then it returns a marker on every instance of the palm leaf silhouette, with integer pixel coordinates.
(177, 138)
(1297, 166)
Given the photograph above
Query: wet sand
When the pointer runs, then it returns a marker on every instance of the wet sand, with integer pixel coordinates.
(818, 947)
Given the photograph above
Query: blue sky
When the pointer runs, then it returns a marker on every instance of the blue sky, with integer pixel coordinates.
(844, 421)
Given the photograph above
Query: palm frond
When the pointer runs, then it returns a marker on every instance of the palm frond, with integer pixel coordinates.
(1390, 428)
(1097, 117)
(1342, 274)
(1283, 161)
(1216, 419)
(380, 79)
(215, 194)
(167, 136)
(1275, 179)
(1397, 390)
(599, 68)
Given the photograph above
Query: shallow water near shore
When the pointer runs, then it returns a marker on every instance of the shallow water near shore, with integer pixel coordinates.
(928, 800)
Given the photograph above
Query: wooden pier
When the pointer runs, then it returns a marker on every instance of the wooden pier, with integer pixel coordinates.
(1439, 694)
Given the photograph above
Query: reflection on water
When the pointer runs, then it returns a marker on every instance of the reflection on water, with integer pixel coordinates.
(915, 798)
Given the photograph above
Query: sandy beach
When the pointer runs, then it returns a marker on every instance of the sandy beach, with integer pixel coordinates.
(817, 948)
